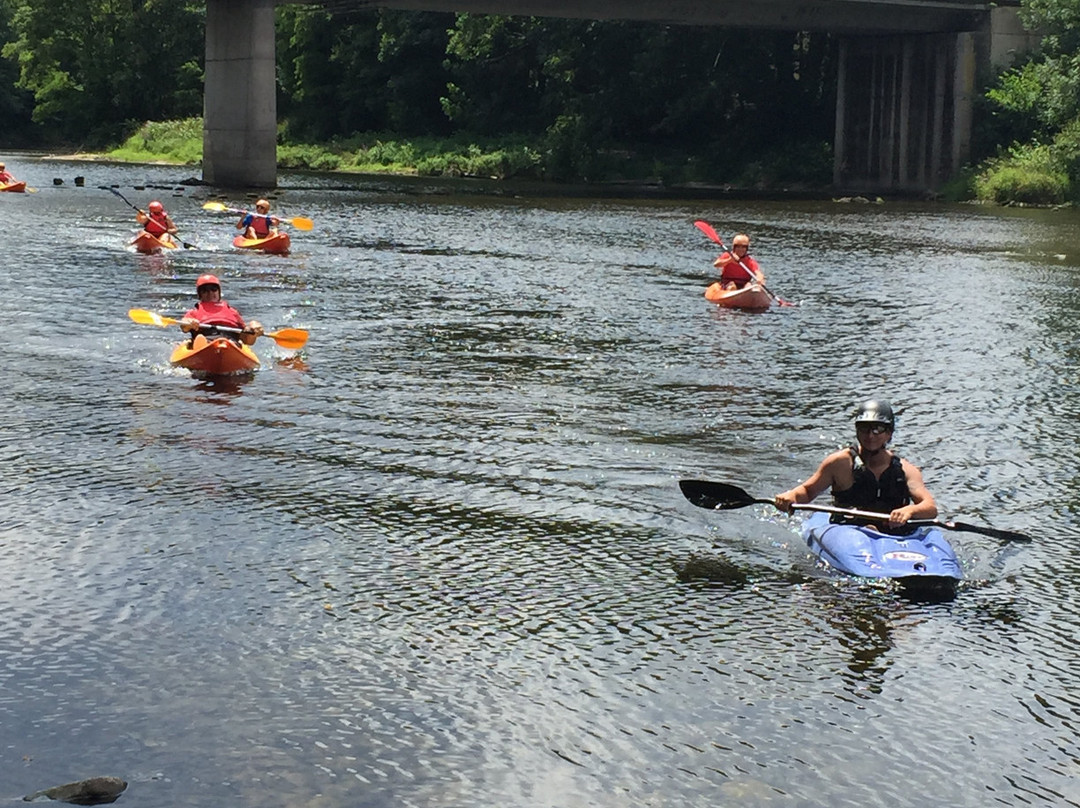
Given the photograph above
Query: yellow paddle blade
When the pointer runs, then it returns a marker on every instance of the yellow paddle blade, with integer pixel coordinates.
(218, 206)
(144, 317)
(291, 338)
(300, 223)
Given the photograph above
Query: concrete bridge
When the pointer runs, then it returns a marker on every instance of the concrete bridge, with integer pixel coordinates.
(907, 74)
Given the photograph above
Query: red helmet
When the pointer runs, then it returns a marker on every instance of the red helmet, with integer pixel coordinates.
(156, 207)
(207, 280)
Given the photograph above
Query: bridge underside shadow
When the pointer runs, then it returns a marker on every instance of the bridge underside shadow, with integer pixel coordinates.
(904, 94)
(903, 111)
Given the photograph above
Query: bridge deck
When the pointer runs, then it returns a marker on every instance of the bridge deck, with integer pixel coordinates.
(835, 16)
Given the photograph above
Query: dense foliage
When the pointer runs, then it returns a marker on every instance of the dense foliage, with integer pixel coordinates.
(1036, 109)
(593, 99)
(92, 65)
(581, 99)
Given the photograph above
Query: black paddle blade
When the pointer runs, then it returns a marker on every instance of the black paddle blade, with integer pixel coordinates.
(716, 496)
(1004, 535)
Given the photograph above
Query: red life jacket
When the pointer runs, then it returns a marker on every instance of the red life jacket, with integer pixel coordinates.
(220, 313)
(731, 271)
(156, 223)
(260, 224)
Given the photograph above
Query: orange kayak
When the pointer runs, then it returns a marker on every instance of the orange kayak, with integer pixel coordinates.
(214, 357)
(277, 243)
(749, 298)
(14, 187)
(147, 243)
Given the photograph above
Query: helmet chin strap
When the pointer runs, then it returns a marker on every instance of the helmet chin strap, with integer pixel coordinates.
(871, 452)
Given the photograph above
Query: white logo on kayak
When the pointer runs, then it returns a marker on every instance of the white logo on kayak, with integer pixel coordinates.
(904, 555)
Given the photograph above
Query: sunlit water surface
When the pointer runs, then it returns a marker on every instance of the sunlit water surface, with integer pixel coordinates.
(431, 559)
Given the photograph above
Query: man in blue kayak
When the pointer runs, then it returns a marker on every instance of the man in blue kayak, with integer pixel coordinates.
(867, 475)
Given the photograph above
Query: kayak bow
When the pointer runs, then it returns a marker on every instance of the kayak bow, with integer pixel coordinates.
(219, 356)
(14, 187)
(148, 243)
(277, 243)
(748, 298)
(923, 558)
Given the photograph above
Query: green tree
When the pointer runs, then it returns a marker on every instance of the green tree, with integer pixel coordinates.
(92, 65)
(1035, 113)
(361, 71)
(598, 88)
(15, 104)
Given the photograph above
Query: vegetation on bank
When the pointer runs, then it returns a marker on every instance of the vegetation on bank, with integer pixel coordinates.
(512, 157)
(1033, 112)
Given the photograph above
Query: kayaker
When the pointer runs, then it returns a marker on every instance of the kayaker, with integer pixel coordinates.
(157, 222)
(867, 475)
(211, 310)
(259, 224)
(732, 274)
(5, 176)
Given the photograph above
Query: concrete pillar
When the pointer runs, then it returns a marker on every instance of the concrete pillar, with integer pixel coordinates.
(941, 80)
(1008, 38)
(906, 68)
(963, 100)
(240, 101)
(839, 143)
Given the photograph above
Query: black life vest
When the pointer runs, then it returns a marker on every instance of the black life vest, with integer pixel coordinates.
(870, 493)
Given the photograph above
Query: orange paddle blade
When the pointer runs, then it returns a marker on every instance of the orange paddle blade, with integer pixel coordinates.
(300, 222)
(291, 338)
(144, 317)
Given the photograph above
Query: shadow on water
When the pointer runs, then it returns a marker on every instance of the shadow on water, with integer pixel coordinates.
(222, 389)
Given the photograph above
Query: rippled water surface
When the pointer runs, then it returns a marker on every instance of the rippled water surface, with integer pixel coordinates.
(431, 559)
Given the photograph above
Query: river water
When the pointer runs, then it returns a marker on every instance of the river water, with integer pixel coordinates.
(431, 560)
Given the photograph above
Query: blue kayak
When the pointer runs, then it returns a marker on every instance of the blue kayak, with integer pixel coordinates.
(923, 557)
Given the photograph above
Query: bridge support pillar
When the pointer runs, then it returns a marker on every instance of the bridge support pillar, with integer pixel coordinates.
(240, 102)
(903, 110)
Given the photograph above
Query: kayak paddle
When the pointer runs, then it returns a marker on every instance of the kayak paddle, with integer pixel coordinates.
(140, 210)
(291, 338)
(724, 497)
(299, 222)
(708, 230)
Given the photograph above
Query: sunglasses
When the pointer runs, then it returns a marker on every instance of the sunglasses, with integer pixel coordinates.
(873, 429)
(209, 288)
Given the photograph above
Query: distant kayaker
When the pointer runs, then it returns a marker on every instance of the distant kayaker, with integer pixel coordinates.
(867, 475)
(731, 264)
(157, 222)
(5, 176)
(211, 310)
(259, 224)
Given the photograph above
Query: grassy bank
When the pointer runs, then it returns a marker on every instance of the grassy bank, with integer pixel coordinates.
(512, 157)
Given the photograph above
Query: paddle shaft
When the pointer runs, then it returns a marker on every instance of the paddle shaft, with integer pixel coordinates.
(291, 338)
(800, 506)
(723, 496)
(1006, 535)
(299, 222)
(708, 230)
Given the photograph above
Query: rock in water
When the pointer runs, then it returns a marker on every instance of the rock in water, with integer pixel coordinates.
(93, 791)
